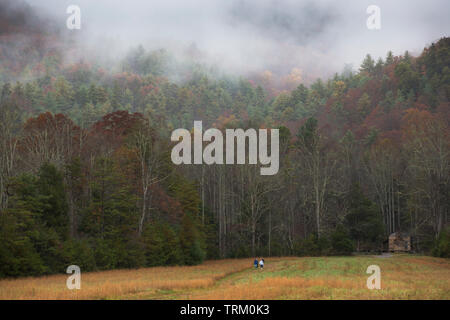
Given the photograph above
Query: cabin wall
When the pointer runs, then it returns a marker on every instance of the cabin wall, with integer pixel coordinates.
(399, 244)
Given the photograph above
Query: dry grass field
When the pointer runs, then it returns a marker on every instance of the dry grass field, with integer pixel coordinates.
(402, 277)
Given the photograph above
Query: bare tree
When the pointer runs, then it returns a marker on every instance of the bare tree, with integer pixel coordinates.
(10, 126)
(150, 154)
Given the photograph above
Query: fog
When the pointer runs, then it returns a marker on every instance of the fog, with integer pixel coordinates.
(318, 37)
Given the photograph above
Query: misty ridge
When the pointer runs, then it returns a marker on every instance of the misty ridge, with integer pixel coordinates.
(285, 43)
(32, 28)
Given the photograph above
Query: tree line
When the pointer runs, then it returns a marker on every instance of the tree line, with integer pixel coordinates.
(86, 176)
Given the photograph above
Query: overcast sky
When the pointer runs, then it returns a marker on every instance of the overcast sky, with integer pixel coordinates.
(261, 34)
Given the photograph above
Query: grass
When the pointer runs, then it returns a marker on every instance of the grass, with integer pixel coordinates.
(402, 277)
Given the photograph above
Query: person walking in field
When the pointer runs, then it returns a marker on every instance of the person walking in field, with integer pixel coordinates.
(261, 263)
(255, 263)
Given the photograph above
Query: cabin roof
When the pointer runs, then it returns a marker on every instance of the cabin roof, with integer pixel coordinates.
(399, 235)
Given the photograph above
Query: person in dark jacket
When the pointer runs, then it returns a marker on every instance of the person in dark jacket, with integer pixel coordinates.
(255, 263)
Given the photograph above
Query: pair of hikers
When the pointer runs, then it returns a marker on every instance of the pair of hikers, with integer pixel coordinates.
(261, 263)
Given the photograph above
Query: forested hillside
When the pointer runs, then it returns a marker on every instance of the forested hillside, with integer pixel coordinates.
(86, 176)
